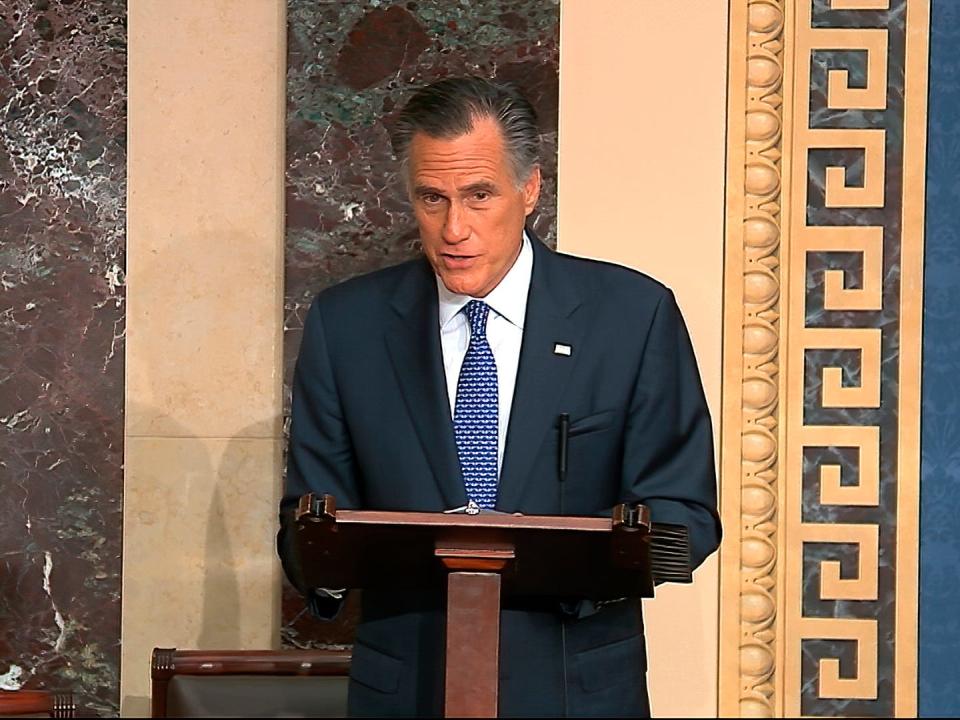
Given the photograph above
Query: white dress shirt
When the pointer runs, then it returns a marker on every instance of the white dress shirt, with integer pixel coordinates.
(508, 305)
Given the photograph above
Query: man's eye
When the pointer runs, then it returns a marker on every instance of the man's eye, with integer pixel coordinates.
(481, 195)
(431, 198)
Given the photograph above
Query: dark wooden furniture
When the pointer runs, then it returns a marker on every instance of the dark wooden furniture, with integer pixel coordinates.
(480, 558)
(40, 703)
(249, 683)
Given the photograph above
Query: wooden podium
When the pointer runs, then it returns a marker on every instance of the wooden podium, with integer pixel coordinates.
(480, 558)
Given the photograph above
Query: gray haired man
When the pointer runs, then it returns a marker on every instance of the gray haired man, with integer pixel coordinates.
(437, 384)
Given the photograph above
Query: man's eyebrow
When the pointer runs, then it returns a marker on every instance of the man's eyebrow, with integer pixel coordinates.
(480, 186)
(427, 190)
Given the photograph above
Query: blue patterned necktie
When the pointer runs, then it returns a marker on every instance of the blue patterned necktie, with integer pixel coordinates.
(475, 412)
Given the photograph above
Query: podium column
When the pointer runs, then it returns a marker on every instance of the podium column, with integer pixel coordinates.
(473, 626)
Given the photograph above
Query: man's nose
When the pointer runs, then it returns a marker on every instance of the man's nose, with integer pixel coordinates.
(456, 227)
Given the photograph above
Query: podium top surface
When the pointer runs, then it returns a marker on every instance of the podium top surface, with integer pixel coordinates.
(600, 557)
(492, 520)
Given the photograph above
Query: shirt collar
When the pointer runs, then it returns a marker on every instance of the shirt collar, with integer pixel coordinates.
(508, 299)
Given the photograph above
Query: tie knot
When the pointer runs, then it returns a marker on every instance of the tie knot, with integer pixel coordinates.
(477, 312)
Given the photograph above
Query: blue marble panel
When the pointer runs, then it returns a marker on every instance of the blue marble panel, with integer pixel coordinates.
(939, 679)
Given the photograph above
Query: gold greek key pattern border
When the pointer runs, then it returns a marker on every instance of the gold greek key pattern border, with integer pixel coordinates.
(765, 340)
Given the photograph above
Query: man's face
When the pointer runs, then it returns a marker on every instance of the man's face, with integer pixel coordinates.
(468, 206)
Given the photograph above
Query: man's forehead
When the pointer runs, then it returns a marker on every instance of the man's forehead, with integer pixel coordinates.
(464, 163)
(484, 136)
(459, 164)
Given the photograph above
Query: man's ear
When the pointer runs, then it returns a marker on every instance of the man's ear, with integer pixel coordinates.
(531, 190)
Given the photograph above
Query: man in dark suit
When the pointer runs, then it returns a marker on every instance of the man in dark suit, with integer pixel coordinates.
(438, 384)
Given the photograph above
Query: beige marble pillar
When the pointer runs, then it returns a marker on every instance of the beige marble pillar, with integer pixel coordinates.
(204, 330)
(642, 119)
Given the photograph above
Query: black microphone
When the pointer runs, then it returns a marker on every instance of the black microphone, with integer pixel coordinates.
(562, 459)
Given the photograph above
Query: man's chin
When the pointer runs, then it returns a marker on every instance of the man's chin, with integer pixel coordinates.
(460, 284)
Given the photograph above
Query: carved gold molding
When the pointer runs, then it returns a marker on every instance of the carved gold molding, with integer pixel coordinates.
(748, 647)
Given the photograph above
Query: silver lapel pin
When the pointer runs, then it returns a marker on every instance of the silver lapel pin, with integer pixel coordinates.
(562, 349)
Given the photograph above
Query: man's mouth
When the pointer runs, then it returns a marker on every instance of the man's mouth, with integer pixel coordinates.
(457, 261)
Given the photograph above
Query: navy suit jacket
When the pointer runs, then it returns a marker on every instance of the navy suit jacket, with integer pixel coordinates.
(371, 425)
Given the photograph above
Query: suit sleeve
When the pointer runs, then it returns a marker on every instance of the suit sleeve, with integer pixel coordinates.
(668, 462)
(320, 456)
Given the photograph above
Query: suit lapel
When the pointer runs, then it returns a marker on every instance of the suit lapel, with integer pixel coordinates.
(542, 373)
(413, 342)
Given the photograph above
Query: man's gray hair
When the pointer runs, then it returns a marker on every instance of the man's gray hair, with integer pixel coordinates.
(448, 109)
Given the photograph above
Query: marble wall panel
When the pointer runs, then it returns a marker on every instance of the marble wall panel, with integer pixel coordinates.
(350, 64)
(62, 208)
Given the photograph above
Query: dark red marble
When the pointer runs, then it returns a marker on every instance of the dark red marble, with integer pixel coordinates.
(350, 66)
(380, 45)
(62, 213)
